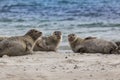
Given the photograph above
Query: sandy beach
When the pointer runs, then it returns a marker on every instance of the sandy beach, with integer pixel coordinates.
(60, 66)
(85, 18)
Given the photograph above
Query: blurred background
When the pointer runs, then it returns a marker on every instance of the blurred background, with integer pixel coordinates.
(100, 18)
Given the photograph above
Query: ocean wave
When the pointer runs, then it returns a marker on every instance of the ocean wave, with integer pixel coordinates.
(11, 20)
(86, 8)
(99, 25)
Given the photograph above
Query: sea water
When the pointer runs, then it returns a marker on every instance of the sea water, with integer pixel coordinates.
(99, 18)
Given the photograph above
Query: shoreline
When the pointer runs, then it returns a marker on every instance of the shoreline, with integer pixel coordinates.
(61, 66)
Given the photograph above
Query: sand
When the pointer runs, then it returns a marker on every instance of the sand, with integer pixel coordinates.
(60, 66)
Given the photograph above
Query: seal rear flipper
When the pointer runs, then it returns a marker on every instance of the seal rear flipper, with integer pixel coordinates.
(118, 44)
(115, 52)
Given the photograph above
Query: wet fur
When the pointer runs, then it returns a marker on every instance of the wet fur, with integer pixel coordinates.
(93, 45)
(2, 38)
(50, 43)
(118, 44)
(19, 45)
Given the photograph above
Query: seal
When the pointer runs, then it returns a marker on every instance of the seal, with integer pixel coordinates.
(91, 45)
(2, 38)
(50, 43)
(19, 45)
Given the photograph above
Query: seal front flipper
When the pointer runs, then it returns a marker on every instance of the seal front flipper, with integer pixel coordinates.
(80, 49)
(114, 52)
(42, 45)
(28, 47)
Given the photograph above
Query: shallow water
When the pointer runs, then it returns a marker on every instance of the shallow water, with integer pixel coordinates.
(100, 18)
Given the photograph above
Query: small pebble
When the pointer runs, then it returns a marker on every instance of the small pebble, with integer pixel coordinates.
(24, 69)
(54, 67)
(27, 58)
(66, 57)
(36, 69)
(63, 68)
(73, 54)
(88, 69)
(102, 68)
(91, 75)
(75, 67)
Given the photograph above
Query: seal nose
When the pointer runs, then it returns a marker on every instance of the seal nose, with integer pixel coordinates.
(40, 33)
(70, 38)
(58, 36)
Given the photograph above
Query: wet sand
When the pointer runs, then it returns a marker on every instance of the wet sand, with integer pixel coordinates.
(60, 66)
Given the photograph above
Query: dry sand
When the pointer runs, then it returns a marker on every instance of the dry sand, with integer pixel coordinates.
(60, 66)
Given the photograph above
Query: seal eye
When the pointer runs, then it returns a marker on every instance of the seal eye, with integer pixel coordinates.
(40, 32)
(35, 31)
(69, 35)
(73, 34)
(55, 33)
(32, 30)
